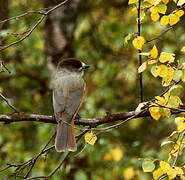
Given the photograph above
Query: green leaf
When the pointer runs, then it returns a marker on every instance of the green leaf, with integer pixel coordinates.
(148, 165)
(155, 70)
(161, 8)
(128, 37)
(177, 75)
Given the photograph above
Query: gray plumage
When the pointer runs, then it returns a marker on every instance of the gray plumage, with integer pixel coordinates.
(68, 89)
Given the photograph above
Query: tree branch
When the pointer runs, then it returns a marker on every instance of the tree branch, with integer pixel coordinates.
(44, 14)
(9, 104)
(139, 51)
(160, 35)
(19, 117)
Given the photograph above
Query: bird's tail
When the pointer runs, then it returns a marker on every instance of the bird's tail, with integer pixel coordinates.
(65, 137)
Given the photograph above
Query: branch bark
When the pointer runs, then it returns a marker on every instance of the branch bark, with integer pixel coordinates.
(108, 118)
(19, 117)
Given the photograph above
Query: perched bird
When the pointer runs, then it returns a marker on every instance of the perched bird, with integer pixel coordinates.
(68, 90)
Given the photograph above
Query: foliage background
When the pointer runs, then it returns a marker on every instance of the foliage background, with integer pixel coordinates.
(112, 86)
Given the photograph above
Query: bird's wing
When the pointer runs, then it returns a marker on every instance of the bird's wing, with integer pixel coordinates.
(58, 103)
(67, 104)
(74, 100)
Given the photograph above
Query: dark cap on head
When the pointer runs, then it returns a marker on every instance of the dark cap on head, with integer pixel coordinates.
(70, 62)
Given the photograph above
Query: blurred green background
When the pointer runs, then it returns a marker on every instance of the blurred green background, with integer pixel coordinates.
(94, 32)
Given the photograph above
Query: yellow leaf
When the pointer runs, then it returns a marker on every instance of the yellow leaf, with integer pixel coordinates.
(154, 52)
(153, 2)
(117, 153)
(166, 57)
(174, 151)
(166, 73)
(172, 173)
(107, 157)
(183, 49)
(173, 19)
(133, 11)
(174, 101)
(142, 67)
(170, 71)
(165, 1)
(160, 100)
(155, 70)
(132, 1)
(166, 81)
(158, 173)
(179, 170)
(164, 166)
(164, 20)
(154, 112)
(180, 2)
(181, 127)
(165, 112)
(179, 120)
(154, 16)
(138, 42)
(153, 9)
(183, 76)
(166, 96)
(179, 13)
(128, 173)
(90, 138)
(163, 69)
(152, 62)
(142, 15)
(146, 6)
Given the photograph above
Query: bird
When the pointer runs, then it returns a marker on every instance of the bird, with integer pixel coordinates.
(68, 88)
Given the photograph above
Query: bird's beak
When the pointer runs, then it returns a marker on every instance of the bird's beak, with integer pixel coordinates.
(86, 66)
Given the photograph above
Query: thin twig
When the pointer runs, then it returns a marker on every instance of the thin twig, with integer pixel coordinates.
(61, 162)
(139, 51)
(7, 167)
(178, 153)
(37, 156)
(41, 12)
(121, 123)
(176, 110)
(6, 67)
(160, 35)
(35, 26)
(168, 89)
(9, 104)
